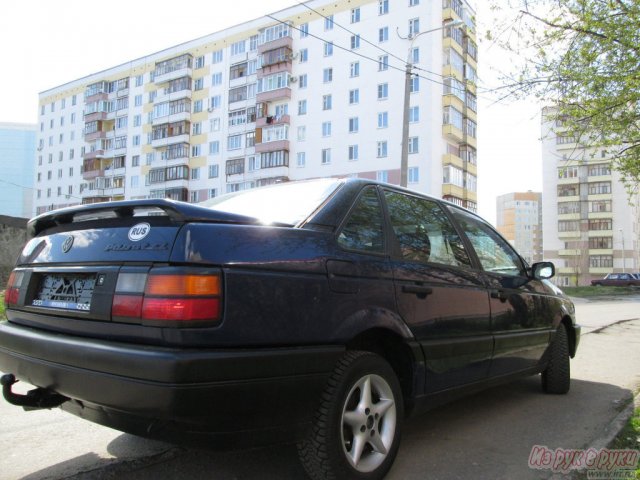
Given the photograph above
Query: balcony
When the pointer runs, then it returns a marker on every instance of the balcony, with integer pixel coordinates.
(278, 94)
(570, 234)
(173, 68)
(452, 133)
(601, 251)
(169, 140)
(284, 41)
(600, 270)
(569, 216)
(451, 159)
(453, 190)
(595, 215)
(273, 120)
(569, 252)
(272, 146)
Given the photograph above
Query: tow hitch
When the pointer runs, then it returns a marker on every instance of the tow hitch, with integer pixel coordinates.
(36, 399)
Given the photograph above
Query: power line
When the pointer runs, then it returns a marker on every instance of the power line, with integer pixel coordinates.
(400, 69)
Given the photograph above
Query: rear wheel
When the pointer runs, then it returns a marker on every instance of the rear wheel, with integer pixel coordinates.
(556, 378)
(356, 431)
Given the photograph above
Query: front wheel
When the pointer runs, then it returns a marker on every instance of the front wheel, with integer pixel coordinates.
(556, 378)
(356, 431)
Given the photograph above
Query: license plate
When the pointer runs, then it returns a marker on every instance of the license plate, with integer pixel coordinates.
(66, 292)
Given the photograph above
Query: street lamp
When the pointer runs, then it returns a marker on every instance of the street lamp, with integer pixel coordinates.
(404, 160)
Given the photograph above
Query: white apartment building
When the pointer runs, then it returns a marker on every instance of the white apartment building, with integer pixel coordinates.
(519, 220)
(315, 90)
(590, 225)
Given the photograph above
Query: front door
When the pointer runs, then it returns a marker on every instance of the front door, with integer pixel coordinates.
(520, 315)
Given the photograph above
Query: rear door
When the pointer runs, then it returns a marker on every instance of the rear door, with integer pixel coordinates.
(441, 298)
(521, 313)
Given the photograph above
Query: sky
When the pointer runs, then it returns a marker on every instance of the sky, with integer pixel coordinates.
(45, 43)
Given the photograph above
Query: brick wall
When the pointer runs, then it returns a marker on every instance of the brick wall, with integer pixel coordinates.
(13, 235)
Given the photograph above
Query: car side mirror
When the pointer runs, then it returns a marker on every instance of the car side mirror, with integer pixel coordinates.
(543, 270)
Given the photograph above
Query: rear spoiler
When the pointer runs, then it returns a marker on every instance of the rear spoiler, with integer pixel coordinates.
(178, 212)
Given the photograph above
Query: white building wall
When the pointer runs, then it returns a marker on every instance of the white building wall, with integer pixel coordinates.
(142, 157)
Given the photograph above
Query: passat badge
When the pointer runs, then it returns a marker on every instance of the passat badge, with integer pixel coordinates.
(68, 243)
(139, 231)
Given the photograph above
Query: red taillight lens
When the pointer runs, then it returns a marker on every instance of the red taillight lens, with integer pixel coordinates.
(181, 309)
(165, 297)
(127, 306)
(13, 288)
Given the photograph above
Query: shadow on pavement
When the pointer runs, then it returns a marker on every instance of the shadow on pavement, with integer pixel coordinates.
(487, 435)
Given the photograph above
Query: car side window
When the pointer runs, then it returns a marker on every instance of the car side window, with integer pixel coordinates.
(424, 232)
(494, 253)
(364, 229)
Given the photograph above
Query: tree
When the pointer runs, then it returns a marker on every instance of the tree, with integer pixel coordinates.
(583, 57)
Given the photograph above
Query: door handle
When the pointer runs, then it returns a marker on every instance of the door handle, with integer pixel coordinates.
(420, 290)
(500, 295)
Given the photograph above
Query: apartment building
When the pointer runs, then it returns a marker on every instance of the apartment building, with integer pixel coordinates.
(315, 90)
(591, 224)
(17, 148)
(519, 220)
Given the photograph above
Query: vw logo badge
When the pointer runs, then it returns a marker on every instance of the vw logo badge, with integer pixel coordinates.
(139, 231)
(68, 243)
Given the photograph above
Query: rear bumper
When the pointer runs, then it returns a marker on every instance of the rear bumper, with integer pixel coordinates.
(143, 389)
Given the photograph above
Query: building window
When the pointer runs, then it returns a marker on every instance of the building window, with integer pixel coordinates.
(413, 145)
(238, 47)
(327, 75)
(326, 156)
(383, 7)
(601, 261)
(413, 175)
(214, 147)
(328, 49)
(355, 15)
(304, 30)
(234, 142)
(302, 81)
(599, 188)
(328, 22)
(213, 171)
(383, 63)
(414, 85)
(302, 133)
(353, 125)
(354, 96)
(355, 42)
(414, 27)
(414, 114)
(195, 173)
(216, 79)
(326, 129)
(326, 102)
(382, 149)
(382, 176)
(353, 152)
(383, 119)
(301, 159)
(383, 91)
(216, 57)
(302, 107)
(383, 34)
(354, 69)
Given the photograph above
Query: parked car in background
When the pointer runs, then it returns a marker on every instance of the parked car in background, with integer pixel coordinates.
(617, 280)
(320, 312)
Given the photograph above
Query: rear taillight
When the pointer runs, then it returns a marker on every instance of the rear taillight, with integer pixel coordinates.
(167, 298)
(13, 288)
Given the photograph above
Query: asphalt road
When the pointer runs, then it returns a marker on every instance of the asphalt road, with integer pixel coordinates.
(486, 436)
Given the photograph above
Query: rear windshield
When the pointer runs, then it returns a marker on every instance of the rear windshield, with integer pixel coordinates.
(285, 203)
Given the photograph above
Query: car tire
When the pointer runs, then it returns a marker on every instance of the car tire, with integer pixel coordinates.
(556, 378)
(356, 429)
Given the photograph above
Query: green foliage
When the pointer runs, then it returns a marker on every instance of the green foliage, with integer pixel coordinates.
(582, 57)
(2, 316)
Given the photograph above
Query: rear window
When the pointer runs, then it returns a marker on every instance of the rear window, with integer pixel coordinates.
(286, 203)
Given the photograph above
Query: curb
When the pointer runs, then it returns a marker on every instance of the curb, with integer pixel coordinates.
(610, 432)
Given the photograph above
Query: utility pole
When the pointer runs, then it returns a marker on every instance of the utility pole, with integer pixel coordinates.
(408, 72)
